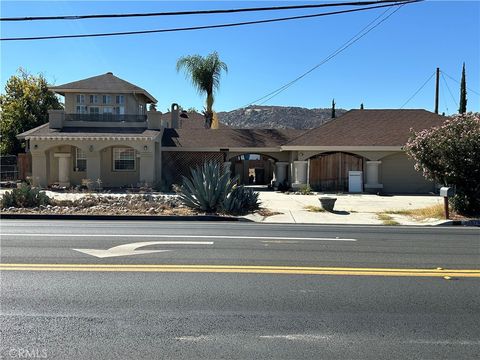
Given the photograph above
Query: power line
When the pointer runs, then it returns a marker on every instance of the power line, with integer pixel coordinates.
(346, 45)
(448, 88)
(195, 12)
(416, 92)
(205, 26)
(475, 92)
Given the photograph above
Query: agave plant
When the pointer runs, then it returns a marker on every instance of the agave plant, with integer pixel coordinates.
(240, 201)
(207, 188)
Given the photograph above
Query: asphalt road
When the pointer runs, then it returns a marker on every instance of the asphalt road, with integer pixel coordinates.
(73, 305)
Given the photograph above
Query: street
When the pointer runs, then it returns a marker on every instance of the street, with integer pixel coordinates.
(168, 290)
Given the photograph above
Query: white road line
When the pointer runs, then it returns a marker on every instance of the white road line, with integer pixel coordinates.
(298, 337)
(183, 236)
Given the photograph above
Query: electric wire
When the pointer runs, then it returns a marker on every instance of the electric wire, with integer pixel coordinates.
(198, 12)
(448, 88)
(475, 92)
(343, 47)
(416, 92)
(203, 27)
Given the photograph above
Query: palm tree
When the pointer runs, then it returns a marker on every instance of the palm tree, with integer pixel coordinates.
(204, 72)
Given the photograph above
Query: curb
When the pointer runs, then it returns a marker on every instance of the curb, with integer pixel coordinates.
(120, 217)
(475, 222)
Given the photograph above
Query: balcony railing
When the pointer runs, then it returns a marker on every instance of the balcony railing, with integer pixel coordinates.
(106, 117)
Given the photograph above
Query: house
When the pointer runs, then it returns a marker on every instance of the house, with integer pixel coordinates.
(107, 133)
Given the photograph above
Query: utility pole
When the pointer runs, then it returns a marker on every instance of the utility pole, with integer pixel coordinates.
(437, 86)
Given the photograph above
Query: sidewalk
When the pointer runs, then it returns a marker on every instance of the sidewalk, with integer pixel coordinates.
(349, 208)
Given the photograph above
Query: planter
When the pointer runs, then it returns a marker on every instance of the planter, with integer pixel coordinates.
(327, 203)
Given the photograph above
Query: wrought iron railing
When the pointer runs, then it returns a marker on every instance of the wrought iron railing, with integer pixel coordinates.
(106, 117)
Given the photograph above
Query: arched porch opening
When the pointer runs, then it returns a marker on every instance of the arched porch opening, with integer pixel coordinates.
(253, 168)
(337, 172)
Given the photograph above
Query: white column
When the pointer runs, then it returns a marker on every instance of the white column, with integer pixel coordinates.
(63, 168)
(280, 172)
(300, 173)
(372, 175)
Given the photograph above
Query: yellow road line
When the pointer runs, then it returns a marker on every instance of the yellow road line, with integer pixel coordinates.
(474, 273)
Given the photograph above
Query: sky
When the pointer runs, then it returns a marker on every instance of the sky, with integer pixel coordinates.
(381, 70)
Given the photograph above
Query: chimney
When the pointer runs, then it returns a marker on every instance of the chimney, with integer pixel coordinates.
(174, 115)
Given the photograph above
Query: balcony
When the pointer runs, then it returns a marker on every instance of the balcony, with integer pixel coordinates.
(116, 118)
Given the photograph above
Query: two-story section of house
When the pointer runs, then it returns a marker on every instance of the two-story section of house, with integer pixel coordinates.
(104, 136)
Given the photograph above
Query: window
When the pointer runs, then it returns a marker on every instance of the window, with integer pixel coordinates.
(120, 99)
(123, 159)
(80, 99)
(141, 109)
(93, 99)
(80, 160)
(108, 110)
(81, 109)
(94, 110)
(107, 99)
(120, 110)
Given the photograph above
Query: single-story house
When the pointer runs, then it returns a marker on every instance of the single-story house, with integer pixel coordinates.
(106, 132)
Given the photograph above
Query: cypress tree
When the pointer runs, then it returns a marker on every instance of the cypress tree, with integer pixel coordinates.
(463, 93)
(333, 108)
(361, 106)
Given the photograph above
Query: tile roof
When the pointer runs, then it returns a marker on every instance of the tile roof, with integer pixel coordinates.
(369, 128)
(228, 138)
(102, 83)
(90, 132)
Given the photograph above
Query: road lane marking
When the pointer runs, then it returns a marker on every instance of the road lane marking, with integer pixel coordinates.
(131, 249)
(292, 270)
(186, 236)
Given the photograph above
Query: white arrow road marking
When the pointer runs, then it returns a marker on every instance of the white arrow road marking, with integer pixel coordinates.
(131, 249)
(185, 236)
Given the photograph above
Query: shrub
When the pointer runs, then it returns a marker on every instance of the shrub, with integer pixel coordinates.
(305, 190)
(450, 155)
(241, 201)
(24, 197)
(207, 188)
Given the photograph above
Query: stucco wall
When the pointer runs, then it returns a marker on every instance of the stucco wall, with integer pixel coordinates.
(398, 175)
(111, 178)
(131, 102)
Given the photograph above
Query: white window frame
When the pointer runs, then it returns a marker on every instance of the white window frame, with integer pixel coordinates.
(93, 99)
(108, 110)
(94, 112)
(81, 109)
(116, 156)
(80, 99)
(80, 155)
(120, 99)
(107, 99)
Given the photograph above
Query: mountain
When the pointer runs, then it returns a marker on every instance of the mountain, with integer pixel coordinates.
(276, 117)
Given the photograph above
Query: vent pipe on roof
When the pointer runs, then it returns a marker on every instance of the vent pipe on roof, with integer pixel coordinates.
(174, 115)
(109, 73)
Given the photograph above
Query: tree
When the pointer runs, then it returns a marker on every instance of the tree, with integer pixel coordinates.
(463, 93)
(24, 106)
(204, 72)
(450, 155)
(333, 108)
(361, 106)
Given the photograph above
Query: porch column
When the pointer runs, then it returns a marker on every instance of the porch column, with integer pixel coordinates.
(280, 173)
(372, 175)
(39, 169)
(63, 168)
(147, 168)
(226, 166)
(93, 166)
(300, 173)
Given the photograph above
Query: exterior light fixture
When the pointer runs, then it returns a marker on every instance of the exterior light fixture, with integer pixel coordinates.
(90, 148)
(145, 148)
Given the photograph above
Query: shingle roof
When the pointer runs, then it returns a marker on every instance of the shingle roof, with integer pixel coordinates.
(228, 138)
(369, 128)
(102, 83)
(195, 120)
(90, 132)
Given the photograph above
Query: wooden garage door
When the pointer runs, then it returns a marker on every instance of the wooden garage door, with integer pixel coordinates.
(329, 172)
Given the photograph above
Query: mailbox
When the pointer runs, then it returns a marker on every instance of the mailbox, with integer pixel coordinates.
(446, 191)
